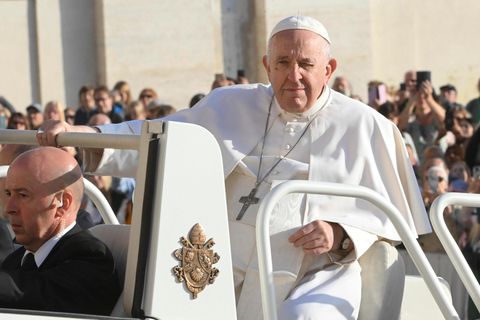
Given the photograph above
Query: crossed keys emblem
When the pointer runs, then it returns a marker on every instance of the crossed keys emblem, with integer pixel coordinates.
(196, 261)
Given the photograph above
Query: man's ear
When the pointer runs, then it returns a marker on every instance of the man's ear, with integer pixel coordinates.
(267, 67)
(64, 203)
(330, 68)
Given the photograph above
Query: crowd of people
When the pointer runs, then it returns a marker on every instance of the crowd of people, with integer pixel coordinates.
(442, 137)
(439, 135)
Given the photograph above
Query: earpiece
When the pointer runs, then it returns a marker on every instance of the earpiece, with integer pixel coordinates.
(60, 203)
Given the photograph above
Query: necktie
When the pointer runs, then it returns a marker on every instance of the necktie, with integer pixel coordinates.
(29, 263)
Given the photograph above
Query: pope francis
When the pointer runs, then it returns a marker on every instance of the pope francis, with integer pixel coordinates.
(295, 128)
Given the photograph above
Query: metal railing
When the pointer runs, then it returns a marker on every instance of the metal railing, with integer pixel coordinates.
(335, 189)
(84, 140)
(75, 139)
(451, 247)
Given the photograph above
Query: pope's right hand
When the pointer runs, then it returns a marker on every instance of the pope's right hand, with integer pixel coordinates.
(51, 128)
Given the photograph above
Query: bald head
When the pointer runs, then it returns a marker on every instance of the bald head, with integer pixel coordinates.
(44, 188)
(8, 153)
(53, 169)
(99, 119)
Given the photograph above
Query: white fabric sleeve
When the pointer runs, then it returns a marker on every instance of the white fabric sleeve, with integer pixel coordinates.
(113, 162)
(362, 240)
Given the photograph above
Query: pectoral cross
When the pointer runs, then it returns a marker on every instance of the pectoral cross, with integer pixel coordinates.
(247, 201)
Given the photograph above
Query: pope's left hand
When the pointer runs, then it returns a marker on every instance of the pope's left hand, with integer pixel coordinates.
(317, 237)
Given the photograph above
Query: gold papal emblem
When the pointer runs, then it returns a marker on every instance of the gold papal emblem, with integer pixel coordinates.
(196, 262)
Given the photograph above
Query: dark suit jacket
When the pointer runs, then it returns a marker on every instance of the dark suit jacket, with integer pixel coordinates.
(77, 276)
(6, 243)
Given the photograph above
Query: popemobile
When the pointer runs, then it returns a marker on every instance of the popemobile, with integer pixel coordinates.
(174, 260)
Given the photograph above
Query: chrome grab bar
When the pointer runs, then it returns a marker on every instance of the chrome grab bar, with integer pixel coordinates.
(343, 190)
(451, 247)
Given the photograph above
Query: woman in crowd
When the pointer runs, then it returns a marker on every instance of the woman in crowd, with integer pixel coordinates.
(146, 96)
(54, 111)
(18, 121)
(123, 90)
(136, 111)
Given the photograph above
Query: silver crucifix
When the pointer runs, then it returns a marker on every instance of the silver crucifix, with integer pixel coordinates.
(247, 201)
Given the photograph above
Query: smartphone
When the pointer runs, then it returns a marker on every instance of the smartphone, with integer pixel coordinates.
(377, 92)
(240, 73)
(403, 87)
(219, 76)
(422, 76)
(433, 183)
(476, 172)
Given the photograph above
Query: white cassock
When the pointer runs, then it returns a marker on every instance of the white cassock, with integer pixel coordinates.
(347, 142)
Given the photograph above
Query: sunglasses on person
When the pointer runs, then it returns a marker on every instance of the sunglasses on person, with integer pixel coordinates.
(143, 96)
(69, 117)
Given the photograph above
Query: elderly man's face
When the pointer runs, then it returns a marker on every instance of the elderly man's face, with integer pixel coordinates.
(30, 208)
(298, 69)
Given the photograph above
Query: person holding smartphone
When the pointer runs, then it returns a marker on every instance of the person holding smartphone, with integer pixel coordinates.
(423, 117)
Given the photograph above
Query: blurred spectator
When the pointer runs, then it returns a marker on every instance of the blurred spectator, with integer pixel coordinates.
(401, 96)
(460, 125)
(35, 115)
(389, 111)
(136, 111)
(449, 92)
(117, 101)
(18, 121)
(435, 183)
(146, 96)
(196, 98)
(153, 107)
(413, 156)
(241, 79)
(69, 114)
(377, 94)
(453, 154)
(474, 107)
(124, 90)
(158, 112)
(4, 117)
(422, 118)
(433, 152)
(356, 97)
(221, 81)
(87, 105)
(342, 85)
(54, 111)
(103, 183)
(104, 102)
(459, 177)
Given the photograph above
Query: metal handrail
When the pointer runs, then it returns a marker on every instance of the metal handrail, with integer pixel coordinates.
(75, 139)
(451, 247)
(83, 140)
(336, 189)
(93, 193)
